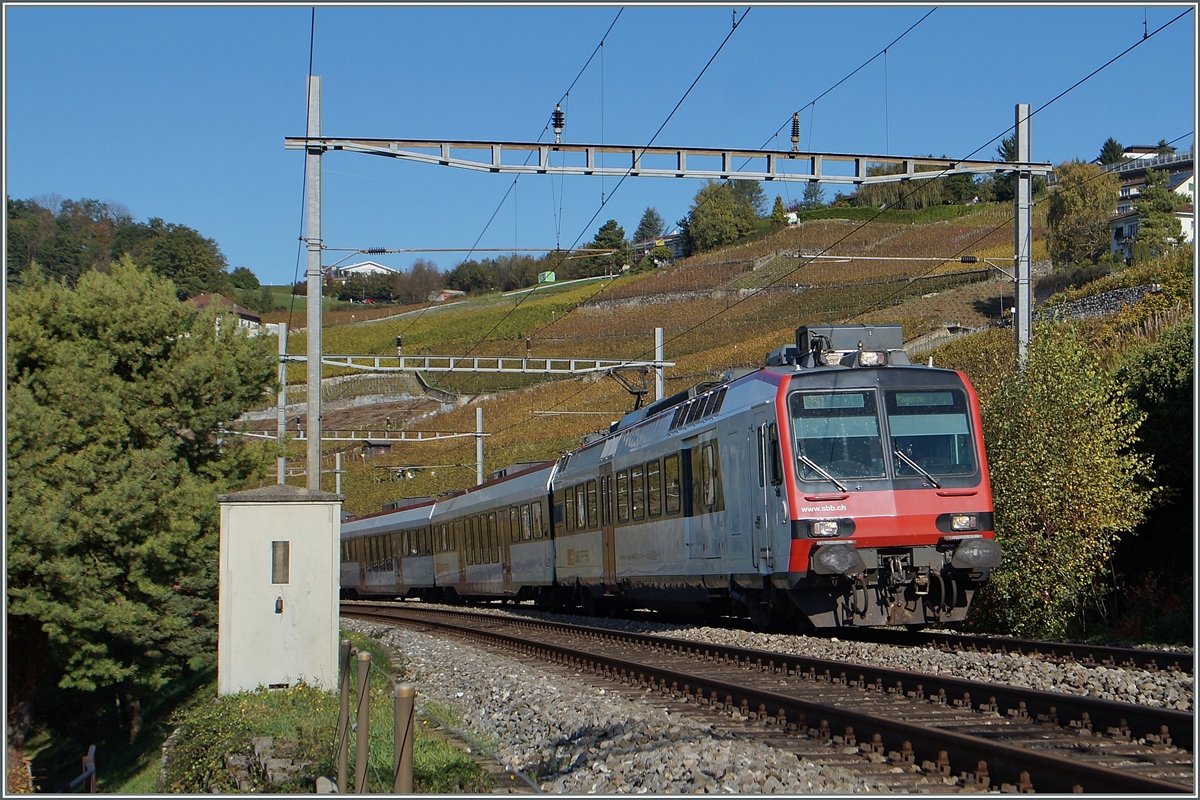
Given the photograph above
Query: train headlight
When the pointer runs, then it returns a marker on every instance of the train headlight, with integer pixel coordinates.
(976, 553)
(871, 358)
(964, 522)
(823, 528)
(837, 559)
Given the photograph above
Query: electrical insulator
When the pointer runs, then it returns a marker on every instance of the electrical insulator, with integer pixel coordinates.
(796, 132)
(557, 121)
(375, 250)
(969, 260)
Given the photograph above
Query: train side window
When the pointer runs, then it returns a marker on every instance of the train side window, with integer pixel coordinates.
(719, 401)
(457, 535)
(495, 541)
(526, 529)
(591, 504)
(776, 455)
(653, 488)
(623, 496)
(537, 519)
(637, 485)
(569, 494)
(502, 521)
(580, 507)
(708, 486)
(762, 456)
(426, 544)
(558, 511)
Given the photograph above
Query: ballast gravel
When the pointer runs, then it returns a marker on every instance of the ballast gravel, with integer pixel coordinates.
(580, 739)
(572, 737)
(1161, 689)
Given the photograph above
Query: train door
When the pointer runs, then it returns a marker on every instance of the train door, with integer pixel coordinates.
(769, 502)
(607, 532)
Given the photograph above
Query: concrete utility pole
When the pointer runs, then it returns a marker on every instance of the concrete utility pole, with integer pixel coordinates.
(312, 166)
(1022, 235)
(658, 357)
(478, 446)
(281, 422)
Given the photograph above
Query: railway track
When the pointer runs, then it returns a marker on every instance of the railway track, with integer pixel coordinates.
(903, 729)
(1089, 655)
(1086, 654)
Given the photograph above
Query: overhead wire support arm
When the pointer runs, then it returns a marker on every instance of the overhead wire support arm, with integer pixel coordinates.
(666, 162)
(502, 364)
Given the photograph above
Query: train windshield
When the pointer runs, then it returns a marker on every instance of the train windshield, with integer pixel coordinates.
(932, 430)
(839, 433)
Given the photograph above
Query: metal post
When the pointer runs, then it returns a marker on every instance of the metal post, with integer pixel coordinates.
(362, 728)
(89, 764)
(1022, 235)
(402, 766)
(478, 446)
(658, 370)
(313, 229)
(337, 473)
(281, 462)
(343, 736)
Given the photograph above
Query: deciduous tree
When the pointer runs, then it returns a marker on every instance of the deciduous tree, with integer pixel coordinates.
(115, 392)
(1066, 481)
(719, 216)
(1079, 212)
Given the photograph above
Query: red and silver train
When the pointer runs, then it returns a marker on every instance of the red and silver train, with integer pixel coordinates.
(839, 485)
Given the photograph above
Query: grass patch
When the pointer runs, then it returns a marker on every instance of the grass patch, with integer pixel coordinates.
(212, 728)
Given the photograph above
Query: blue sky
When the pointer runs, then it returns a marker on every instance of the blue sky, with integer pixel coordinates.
(181, 112)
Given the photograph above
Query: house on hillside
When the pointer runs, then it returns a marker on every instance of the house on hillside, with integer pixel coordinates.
(442, 295)
(247, 319)
(1123, 230)
(1181, 178)
(672, 241)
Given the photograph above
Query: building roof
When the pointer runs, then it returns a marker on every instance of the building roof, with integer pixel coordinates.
(203, 301)
(366, 268)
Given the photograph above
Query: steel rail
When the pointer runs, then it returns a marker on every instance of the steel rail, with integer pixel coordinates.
(1086, 654)
(929, 745)
(1078, 711)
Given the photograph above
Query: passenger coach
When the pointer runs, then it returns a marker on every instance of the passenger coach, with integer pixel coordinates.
(838, 485)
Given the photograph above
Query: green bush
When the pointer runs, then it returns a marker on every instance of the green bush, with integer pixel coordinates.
(1065, 480)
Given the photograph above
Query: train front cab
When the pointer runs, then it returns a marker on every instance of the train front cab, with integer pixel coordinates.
(887, 492)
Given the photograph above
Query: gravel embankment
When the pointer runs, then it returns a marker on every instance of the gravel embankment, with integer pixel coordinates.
(577, 738)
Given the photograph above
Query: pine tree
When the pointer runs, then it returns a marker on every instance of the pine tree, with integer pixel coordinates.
(1159, 228)
(778, 214)
(651, 226)
(1112, 152)
(115, 391)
